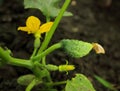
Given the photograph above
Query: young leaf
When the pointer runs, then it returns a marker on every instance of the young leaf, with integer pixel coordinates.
(50, 8)
(25, 79)
(79, 83)
(105, 83)
(76, 48)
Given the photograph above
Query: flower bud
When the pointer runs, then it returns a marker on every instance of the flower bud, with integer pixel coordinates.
(52, 67)
(66, 67)
(37, 43)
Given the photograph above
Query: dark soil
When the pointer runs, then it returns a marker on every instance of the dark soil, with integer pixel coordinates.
(93, 21)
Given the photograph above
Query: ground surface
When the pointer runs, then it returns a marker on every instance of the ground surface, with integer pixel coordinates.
(92, 22)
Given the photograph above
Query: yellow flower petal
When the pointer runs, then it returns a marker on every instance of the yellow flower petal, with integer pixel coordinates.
(33, 26)
(45, 27)
(25, 29)
(98, 48)
(33, 23)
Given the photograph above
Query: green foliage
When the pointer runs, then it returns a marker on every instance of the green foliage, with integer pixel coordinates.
(50, 8)
(105, 83)
(79, 83)
(76, 48)
(25, 79)
(37, 61)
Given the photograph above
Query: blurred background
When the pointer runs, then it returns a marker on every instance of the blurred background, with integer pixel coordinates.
(92, 21)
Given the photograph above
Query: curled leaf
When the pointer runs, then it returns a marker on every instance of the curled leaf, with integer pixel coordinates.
(98, 48)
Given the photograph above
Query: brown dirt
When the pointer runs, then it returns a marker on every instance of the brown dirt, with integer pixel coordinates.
(91, 22)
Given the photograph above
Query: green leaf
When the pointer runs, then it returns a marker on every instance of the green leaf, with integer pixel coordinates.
(105, 83)
(79, 83)
(25, 79)
(50, 8)
(76, 48)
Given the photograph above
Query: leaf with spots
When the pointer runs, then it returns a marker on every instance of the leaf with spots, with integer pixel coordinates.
(79, 83)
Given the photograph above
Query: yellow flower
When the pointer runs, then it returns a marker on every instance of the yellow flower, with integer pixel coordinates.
(33, 26)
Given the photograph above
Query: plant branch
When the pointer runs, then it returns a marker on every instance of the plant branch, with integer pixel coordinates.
(31, 85)
(5, 56)
(47, 51)
(52, 30)
(56, 83)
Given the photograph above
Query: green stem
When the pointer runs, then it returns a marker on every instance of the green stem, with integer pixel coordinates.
(48, 77)
(36, 46)
(39, 65)
(20, 62)
(52, 30)
(44, 60)
(5, 56)
(56, 83)
(47, 19)
(34, 52)
(47, 51)
(38, 71)
(31, 85)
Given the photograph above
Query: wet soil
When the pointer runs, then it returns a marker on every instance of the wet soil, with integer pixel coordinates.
(92, 21)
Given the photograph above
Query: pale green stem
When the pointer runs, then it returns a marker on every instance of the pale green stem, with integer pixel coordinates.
(37, 72)
(5, 56)
(56, 83)
(47, 51)
(20, 62)
(44, 60)
(49, 77)
(52, 30)
(34, 52)
(36, 46)
(31, 85)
